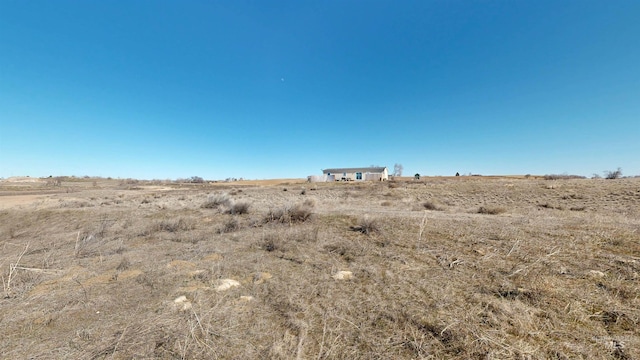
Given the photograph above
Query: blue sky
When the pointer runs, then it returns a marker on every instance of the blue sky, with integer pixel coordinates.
(273, 89)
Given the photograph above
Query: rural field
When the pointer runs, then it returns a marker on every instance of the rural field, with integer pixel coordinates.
(438, 268)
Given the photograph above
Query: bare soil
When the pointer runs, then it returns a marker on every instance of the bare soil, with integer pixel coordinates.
(439, 268)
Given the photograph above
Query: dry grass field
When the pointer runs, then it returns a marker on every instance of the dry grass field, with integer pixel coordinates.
(440, 268)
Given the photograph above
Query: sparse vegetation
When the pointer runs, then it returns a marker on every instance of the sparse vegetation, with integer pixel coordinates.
(290, 214)
(173, 225)
(196, 180)
(550, 206)
(612, 175)
(230, 225)
(562, 177)
(239, 208)
(430, 205)
(271, 242)
(216, 200)
(367, 226)
(397, 170)
(96, 273)
(491, 210)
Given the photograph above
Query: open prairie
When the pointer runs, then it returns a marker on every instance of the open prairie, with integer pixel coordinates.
(440, 268)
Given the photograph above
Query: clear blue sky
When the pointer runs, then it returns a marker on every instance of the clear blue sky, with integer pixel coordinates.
(271, 89)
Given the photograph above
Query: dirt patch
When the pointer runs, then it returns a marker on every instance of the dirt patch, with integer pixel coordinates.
(10, 201)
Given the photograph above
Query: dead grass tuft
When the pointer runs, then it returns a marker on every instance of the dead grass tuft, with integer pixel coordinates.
(239, 208)
(430, 205)
(124, 264)
(230, 225)
(491, 210)
(216, 200)
(290, 214)
(173, 225)
(271, 242)
(367, 226)
(550, 206)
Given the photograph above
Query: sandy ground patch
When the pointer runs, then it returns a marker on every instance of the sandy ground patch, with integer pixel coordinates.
(7, 202)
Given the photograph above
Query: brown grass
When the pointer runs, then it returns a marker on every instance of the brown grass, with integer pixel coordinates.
(491, 210)
(135, 269)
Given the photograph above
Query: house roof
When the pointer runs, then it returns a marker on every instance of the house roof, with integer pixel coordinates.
(353, 170)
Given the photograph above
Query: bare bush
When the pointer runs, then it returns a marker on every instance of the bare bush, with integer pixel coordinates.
(196, 180)
(230, 225)
(397, 170)
(175, 225)
(271, 242)
(367, 226)
(612, 175)
(562, 177)
(216, 200)
(290, 214)
(300, 213)
(87, 245)
(239, 208)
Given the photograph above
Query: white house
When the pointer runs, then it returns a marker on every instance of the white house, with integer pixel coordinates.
(352, 174)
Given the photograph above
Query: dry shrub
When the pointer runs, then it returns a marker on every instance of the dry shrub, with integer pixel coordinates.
(239, 208)
(276, 215)
(562, 177)
(216, 200)
(612, 175)
(87, 245)
(180, 224)
(300, 213)
(367, 226)
(288, 215)
(271, 242)
(578, 208)
(230, 225)
(491, 210)
(550, 206)
(430, 205)
(346, 251)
